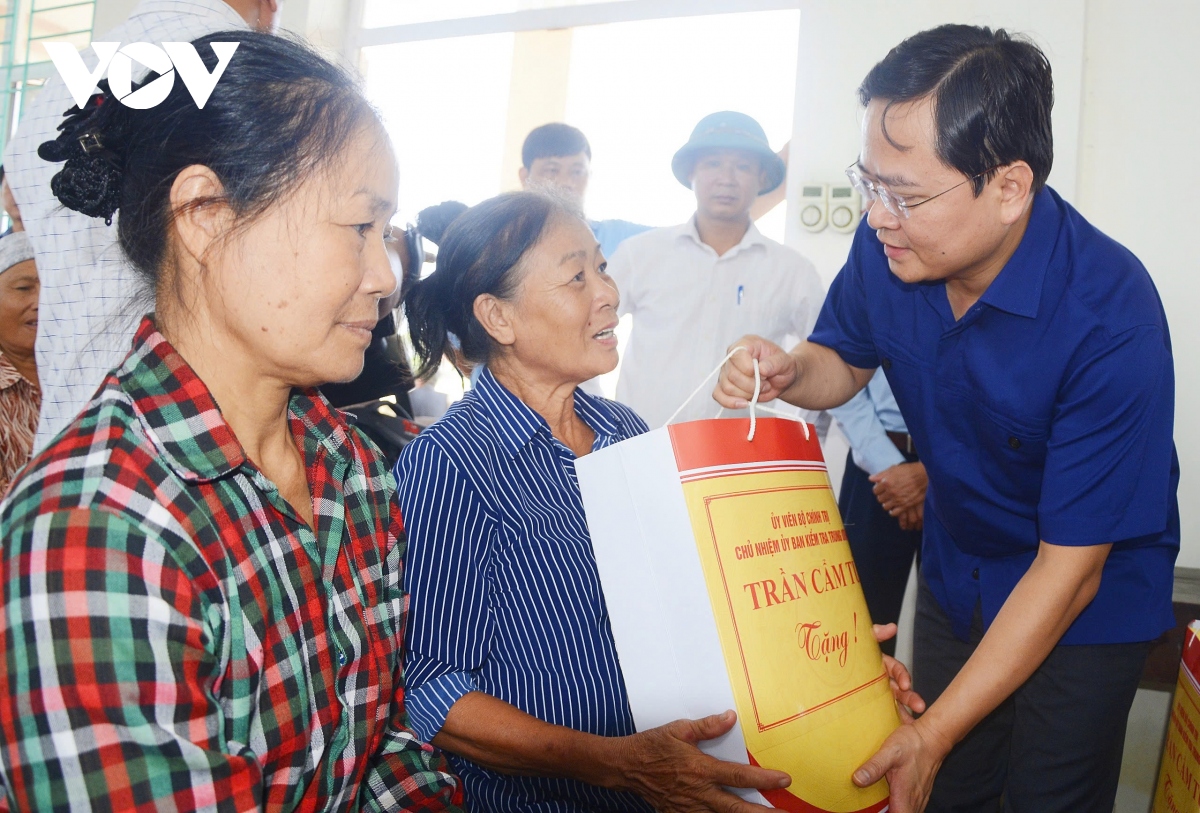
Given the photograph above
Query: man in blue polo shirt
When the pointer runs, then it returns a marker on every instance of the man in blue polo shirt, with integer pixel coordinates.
(1030, 357)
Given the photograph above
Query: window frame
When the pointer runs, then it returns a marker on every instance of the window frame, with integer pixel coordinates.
(597, 13)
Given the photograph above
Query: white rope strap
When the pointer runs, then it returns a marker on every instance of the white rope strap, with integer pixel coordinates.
(754, 400)
(754, 405)
(707, 378)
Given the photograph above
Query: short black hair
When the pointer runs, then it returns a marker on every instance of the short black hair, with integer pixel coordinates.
(992, 96)
(479, 253)
(554, 140)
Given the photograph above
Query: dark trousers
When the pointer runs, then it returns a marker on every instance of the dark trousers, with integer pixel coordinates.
(1053, 747)
(883, 552)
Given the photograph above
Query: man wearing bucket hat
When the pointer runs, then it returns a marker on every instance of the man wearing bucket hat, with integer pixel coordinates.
(20, 397)
(558, 156)
(694, 288)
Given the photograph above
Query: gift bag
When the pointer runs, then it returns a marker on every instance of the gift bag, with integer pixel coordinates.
(729, 584)
(1179, 775)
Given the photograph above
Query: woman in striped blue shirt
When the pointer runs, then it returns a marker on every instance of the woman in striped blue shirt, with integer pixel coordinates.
(511, 666)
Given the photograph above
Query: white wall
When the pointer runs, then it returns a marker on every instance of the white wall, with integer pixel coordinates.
(840, 41)
(1127, 110)
(1139, 179)
(322, 21)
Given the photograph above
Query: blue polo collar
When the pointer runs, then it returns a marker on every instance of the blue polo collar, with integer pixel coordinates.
(1017, 289)
(516, 422)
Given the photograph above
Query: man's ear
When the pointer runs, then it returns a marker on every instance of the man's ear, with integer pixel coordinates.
(1016, 191)
(523, 176)
(201, 216)
(497, 319)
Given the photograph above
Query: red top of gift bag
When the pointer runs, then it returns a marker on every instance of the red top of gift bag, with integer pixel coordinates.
(1191, 650)
(721, 442)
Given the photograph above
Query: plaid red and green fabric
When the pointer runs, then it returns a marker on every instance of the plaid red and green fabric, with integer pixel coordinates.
(176, 638)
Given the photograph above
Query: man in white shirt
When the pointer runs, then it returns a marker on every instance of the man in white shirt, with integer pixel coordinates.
(88, 309)
(558, 156)
(694, 289)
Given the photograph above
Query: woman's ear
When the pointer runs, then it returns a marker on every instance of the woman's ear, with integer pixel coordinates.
(201, 216)
(496, 316)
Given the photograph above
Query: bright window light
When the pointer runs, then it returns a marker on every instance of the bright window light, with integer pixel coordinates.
(445, 103)
(637, 89)
(378, 13)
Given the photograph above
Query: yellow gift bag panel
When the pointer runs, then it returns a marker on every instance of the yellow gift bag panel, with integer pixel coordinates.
(729, 582)
(1179, 775)
(806, 672)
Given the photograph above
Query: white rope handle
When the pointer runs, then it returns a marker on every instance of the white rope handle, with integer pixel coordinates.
(754, 405)
(754, 400)
(779, 413)
(707, 378)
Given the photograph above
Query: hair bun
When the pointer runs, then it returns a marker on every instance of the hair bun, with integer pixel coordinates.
(90, 180)
(89, 184)
(433, 221)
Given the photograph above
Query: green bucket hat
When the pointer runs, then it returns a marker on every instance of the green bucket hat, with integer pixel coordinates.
(728, 130)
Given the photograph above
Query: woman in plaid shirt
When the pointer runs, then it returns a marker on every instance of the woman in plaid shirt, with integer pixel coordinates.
(201, 575)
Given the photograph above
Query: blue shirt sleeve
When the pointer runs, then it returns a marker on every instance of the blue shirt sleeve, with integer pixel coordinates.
(611, 233)
(844, 324)
(449, 628)
(1109, 452)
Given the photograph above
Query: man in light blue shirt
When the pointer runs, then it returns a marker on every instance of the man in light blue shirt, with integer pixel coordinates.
(559, 155)
(882, 498)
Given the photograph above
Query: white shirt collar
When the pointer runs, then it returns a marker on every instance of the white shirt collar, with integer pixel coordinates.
(752, 237)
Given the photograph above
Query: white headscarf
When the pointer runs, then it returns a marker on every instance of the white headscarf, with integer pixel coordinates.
(14, 248)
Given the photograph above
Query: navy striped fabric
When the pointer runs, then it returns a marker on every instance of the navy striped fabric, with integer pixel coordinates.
(505, 595)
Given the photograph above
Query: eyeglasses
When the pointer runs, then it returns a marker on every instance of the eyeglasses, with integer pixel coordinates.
(870, 190)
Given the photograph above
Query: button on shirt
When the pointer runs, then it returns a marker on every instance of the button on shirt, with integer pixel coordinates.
(505, 594)
(689, 305)
(865, 421)
(178, 638)
(87, 310)
(1044, 413)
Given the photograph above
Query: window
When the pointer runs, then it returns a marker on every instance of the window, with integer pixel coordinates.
(379, 13)
(445, 104)
(458, 107)
(638, 88)
(635, 88)
(24, 63)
